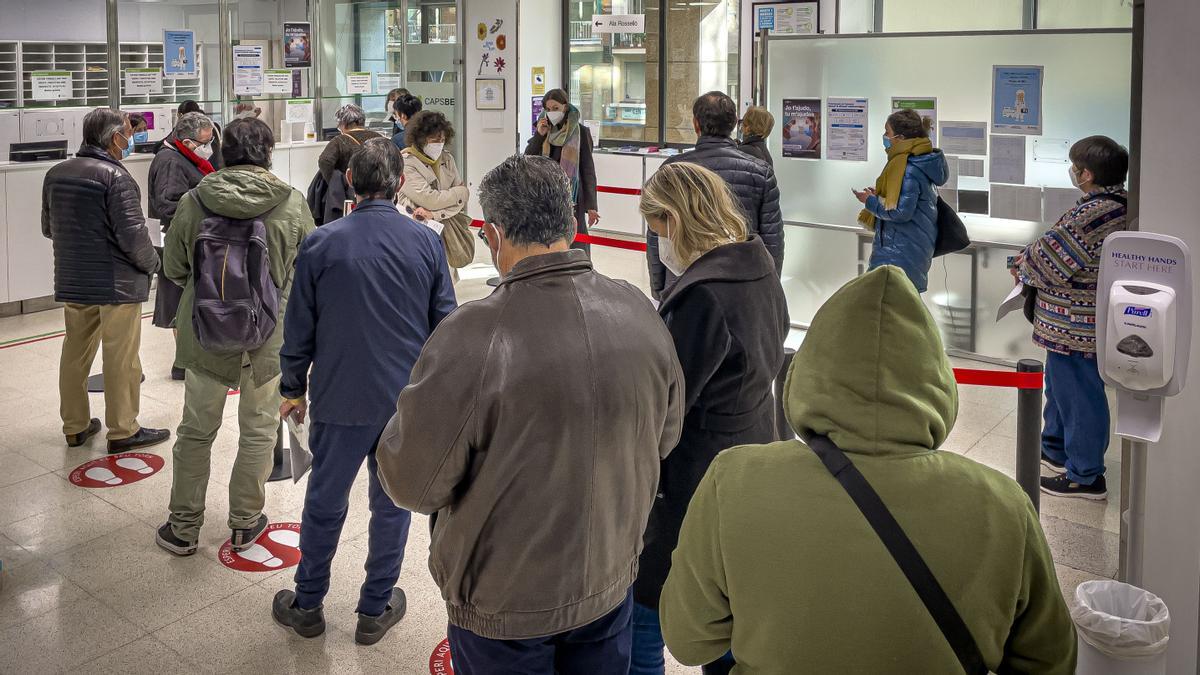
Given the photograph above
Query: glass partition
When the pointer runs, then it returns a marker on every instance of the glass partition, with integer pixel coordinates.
(924, 16)
(614, 77)
(1084, 13)
(36, 36)
(701, 56)
(260, 23)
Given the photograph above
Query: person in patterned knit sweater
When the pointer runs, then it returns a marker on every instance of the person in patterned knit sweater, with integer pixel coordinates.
(1063, 265)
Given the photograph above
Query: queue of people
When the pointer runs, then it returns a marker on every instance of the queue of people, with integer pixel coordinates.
(670, 515)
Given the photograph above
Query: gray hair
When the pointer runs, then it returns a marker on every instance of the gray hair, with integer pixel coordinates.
(376, 169)
(100, 125)
(190, 125)
(351, 114)
(529, 197)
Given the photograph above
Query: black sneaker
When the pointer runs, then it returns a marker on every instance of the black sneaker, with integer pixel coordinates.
(144, 438)
(243, 539)
(307, 623)
(178, 374)
(1062, 486)
(371, 629)
(76, 440)
(1055, 467)
(166, 539)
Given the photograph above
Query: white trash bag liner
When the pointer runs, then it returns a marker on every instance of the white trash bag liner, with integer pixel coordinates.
(1121, 621)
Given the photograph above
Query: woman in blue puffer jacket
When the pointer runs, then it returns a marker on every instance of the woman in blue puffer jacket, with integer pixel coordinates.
(902, 207)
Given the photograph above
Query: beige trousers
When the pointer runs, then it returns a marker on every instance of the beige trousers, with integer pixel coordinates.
(119, 329)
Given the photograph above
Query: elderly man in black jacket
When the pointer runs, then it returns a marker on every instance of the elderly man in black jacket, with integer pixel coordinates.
(103, 259)
(714, 116)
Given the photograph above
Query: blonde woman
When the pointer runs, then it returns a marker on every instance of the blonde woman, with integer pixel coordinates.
(728, 317)
(756, 126)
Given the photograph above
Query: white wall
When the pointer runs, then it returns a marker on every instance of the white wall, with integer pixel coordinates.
(541, 44)
(1169, 148)
(487, 147)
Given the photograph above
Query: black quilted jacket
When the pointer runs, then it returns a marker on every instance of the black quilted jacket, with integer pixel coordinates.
(92, 211)
(752, 182)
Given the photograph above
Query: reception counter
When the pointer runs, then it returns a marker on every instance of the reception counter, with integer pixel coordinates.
(26, 257)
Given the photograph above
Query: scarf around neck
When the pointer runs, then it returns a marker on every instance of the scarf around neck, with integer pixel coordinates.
(566, 137)
(435, 164)
(204, 165)
(887, 186)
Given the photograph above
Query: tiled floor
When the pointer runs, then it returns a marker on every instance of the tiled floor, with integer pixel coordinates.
(87, 590)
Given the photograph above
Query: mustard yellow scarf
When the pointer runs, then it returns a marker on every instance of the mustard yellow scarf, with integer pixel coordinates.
(437, 165)
(887, 186)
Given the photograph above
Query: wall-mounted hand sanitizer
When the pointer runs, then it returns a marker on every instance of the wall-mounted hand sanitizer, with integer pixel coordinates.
(1143, 326)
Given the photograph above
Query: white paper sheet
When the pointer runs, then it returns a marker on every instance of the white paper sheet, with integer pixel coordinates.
(143, 81)
(358, 84)
(247, 70)
(970, 167)
(435, 226)
(1058, 201)
(278, 81)
(1016, 202)
(385, 82)
(298, 110)
(1015, 300)
(1008, 159)
(952, 177)
(847, 134)
(298, 447)
(964, 138)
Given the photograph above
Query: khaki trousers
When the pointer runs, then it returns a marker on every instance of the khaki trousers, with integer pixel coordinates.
(203, 409)
(119, 329)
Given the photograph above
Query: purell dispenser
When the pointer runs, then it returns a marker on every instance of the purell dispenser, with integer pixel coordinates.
(1140, 349)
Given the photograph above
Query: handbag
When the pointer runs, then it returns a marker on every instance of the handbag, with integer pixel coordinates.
(953, 628)
(458, 240)
(951, 233)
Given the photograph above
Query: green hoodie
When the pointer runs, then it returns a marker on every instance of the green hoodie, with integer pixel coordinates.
(777, 563)
(240, 192)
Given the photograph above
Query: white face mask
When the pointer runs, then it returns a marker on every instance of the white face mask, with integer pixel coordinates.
(204, 151)
(433, 150)
(1076, 176)
(668, 255)
(555, 116)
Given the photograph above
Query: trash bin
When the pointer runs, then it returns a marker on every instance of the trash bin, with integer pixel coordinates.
(1123, 629)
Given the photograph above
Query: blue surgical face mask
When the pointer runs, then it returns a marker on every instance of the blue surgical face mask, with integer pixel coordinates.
(128, 149)
(887, 142)
(141, 137)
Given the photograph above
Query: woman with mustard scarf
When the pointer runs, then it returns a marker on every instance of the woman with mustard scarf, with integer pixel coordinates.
(562, 137)
(902, 207)
(433, 188)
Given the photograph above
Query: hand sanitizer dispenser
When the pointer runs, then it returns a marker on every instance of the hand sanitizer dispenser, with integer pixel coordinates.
(1143, 326)
(1140, 346)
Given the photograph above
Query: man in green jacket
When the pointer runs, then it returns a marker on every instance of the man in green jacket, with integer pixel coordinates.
(776, 563)
(245, 189)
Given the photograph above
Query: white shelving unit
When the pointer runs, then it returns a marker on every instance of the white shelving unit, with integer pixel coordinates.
(150, 55)
(10, 80)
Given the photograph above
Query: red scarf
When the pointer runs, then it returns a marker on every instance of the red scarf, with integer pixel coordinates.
(204, 165)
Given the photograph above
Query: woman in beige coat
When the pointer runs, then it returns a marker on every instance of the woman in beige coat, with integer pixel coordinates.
(433, 188)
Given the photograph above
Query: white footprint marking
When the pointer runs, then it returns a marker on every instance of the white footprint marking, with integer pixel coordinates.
(134, 464)
(290, 538)
(103, 475)
(261, 556)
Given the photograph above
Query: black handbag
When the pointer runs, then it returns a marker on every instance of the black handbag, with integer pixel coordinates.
(951, 233)
(905, 554)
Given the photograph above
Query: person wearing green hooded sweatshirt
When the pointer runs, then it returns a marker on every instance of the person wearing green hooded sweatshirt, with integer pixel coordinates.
(244, 189)
(776, 562)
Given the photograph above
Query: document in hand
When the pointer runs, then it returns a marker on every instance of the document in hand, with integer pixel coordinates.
(1015, 300)
(298, 447)
(435, 226)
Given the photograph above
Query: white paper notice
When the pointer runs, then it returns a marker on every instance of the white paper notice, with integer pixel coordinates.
(847, 134)
(298, 447)
(1014, 300)
(247, 70)
(952, 178)
(970, 167)
(435, 226)
(385, 82)
(1058, 201)
(964, 138)
(1008, 159)
(594, 127)
(50, 85)
(277, 81)
(1016, 202)
(143, 81)
(298, 110)
(358, 83)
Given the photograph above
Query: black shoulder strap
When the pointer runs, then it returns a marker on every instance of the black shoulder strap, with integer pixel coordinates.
(906, 555)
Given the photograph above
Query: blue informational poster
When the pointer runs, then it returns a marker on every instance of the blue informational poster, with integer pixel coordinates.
(766, 18)
(179, 53)
(1017, 100)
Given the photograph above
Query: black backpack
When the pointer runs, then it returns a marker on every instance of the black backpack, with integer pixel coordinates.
(951, 233)
(236, 305)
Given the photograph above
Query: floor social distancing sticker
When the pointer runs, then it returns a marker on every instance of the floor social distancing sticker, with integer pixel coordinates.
(440, 662)
(275, 549)
(116, 470)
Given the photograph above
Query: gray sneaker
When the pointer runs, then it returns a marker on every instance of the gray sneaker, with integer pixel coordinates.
(371, 629)
(243, 539)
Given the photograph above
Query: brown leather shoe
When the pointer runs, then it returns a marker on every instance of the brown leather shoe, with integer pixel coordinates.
(76, 440)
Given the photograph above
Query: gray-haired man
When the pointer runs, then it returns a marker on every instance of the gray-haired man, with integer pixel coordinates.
(103, 259)
(533, 425)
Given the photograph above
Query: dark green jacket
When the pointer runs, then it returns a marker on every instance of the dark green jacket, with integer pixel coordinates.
(777, 563)
(238, 192)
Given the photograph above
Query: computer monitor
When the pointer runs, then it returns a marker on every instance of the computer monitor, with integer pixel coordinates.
(37, 152)
(146, 148)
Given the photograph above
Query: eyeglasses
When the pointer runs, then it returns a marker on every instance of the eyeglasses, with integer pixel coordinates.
(482, 236)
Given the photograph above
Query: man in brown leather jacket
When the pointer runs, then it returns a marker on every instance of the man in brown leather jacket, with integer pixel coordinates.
(533, 425)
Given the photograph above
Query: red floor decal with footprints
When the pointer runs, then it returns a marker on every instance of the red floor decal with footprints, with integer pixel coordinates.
(116, 470)
(440, 662)
(275, 549)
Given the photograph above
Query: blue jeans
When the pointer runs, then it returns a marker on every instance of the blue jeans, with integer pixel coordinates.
(647, 656)
(338, 454)
(600, 647)
(1076, 416)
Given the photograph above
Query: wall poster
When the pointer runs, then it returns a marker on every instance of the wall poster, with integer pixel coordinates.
(847, 135)
(1017, 100)
(247, 70)
(787, 18)
(179, 53)
(801, 128)
(297, 44)
(926, 107)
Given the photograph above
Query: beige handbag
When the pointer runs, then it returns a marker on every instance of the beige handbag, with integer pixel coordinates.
(458, 240)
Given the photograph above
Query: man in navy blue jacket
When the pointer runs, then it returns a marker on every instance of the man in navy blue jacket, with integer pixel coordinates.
(369, 290)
